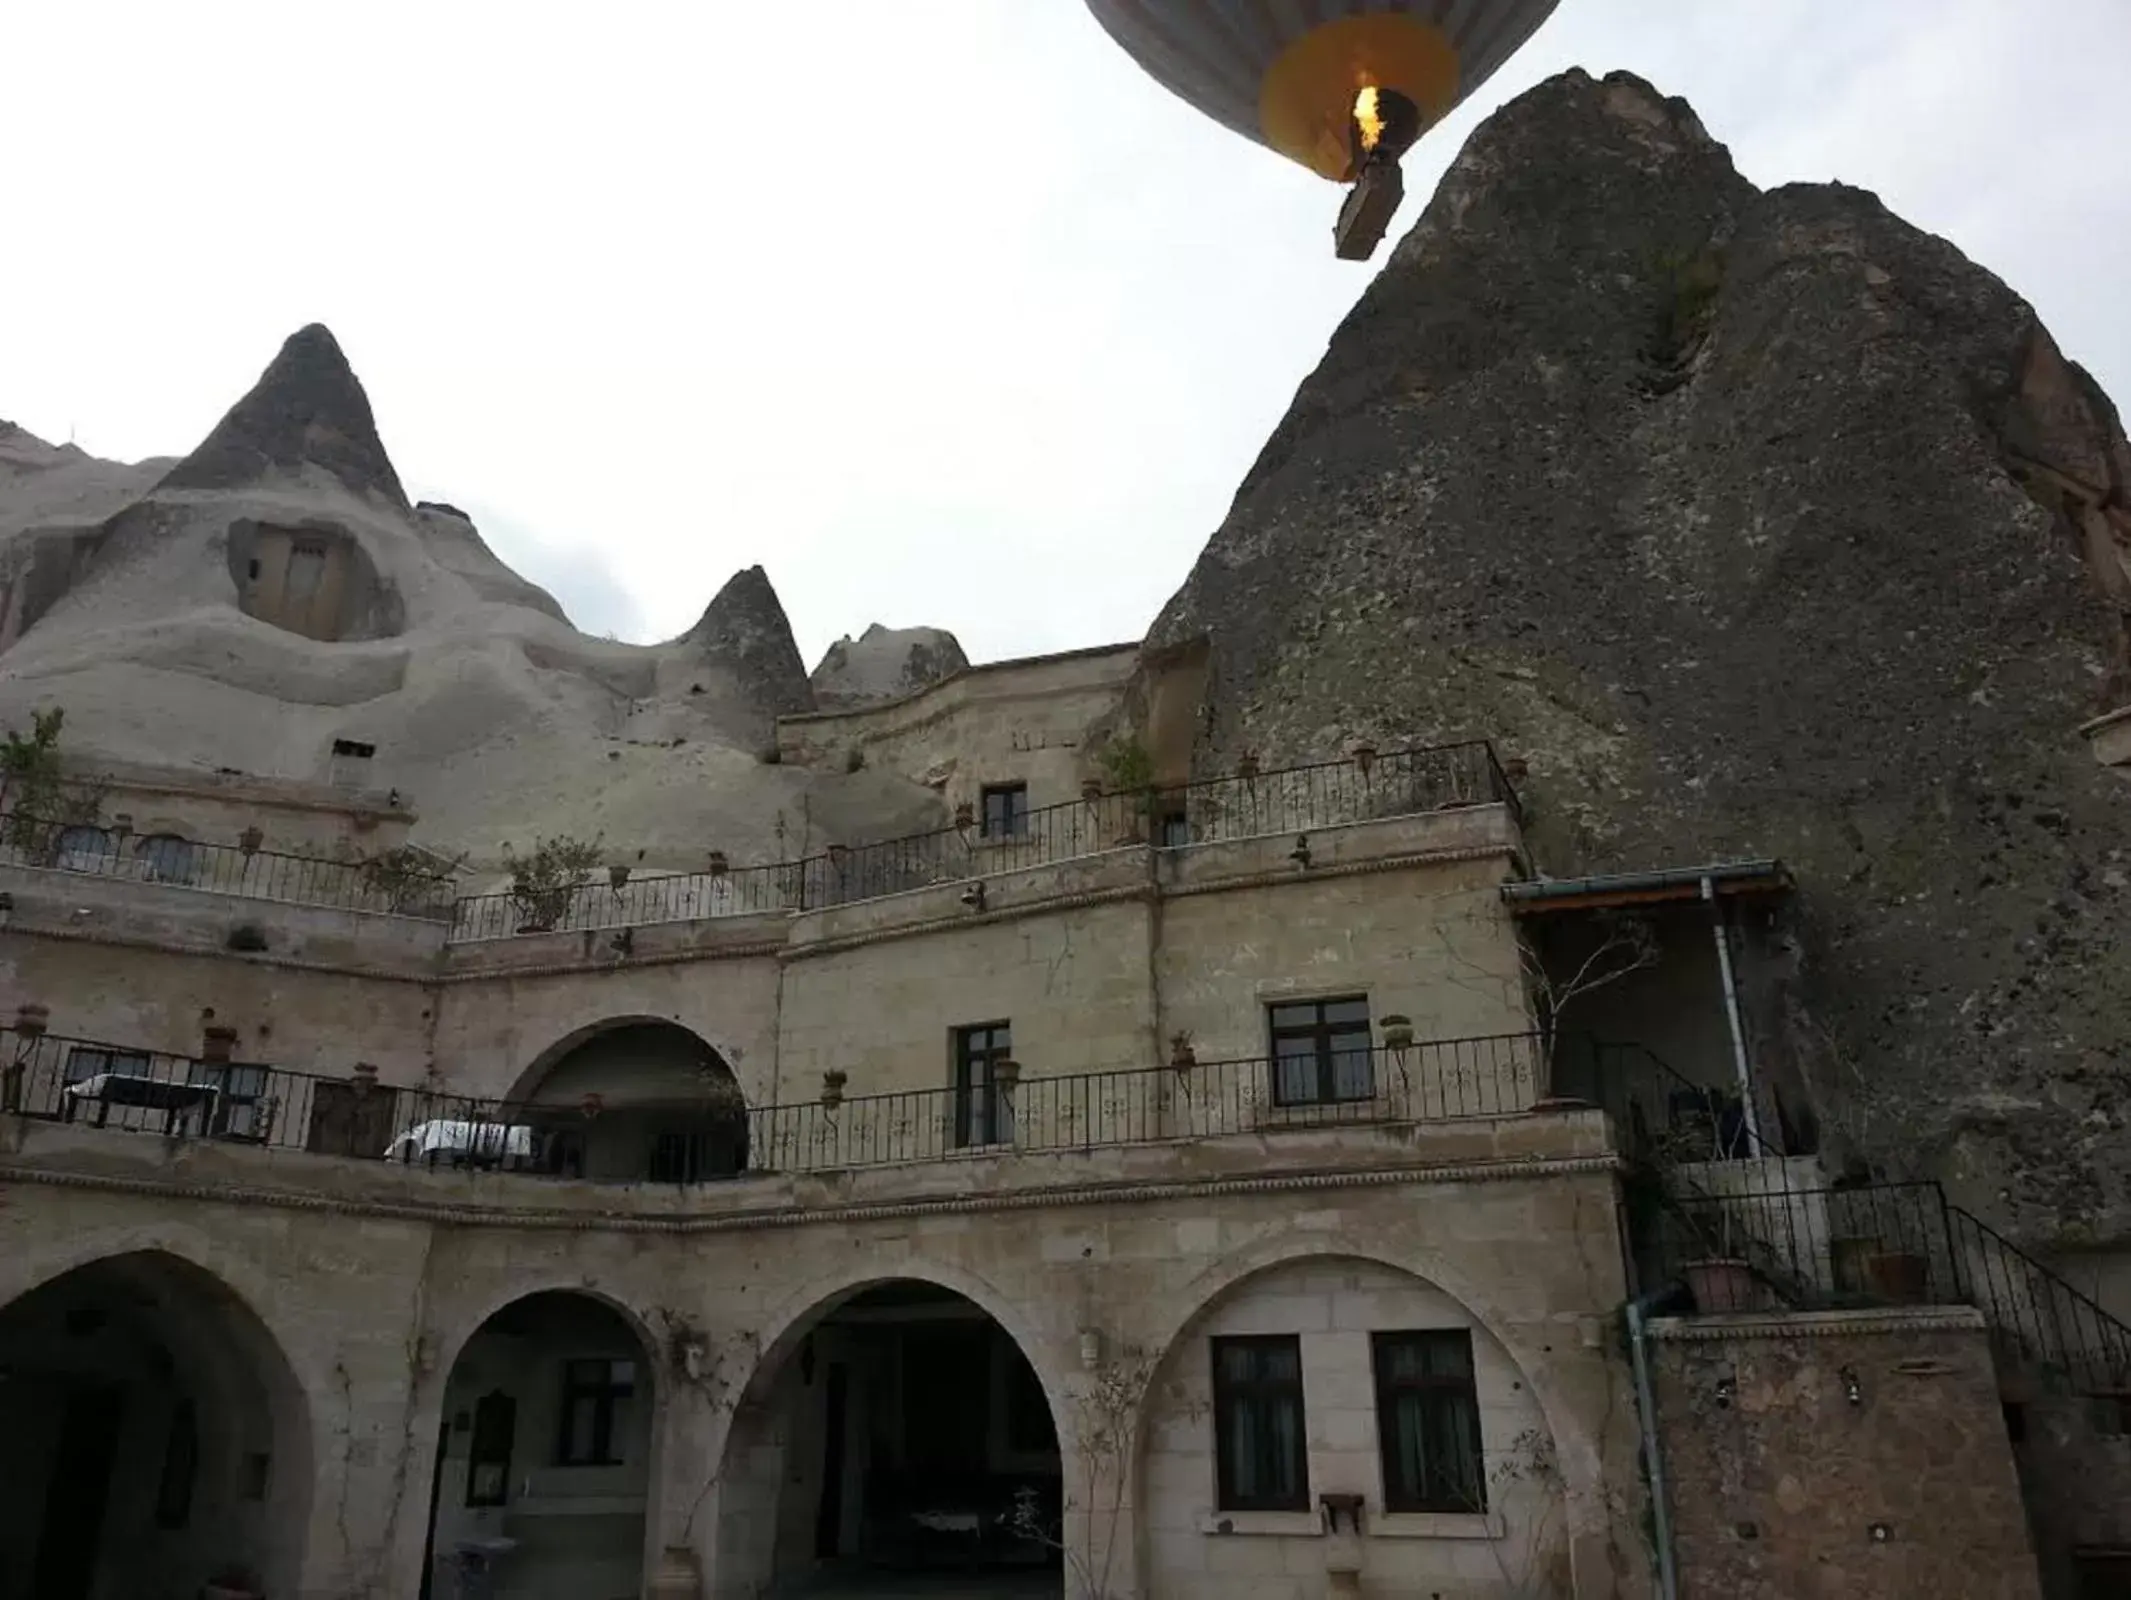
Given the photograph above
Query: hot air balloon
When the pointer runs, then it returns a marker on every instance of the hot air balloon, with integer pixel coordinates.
(1342, 86)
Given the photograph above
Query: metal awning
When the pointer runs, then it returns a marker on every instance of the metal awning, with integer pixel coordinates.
(1726, 879)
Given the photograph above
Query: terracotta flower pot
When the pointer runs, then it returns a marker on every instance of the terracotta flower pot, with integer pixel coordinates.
(1720, 1285)
(1902, 1276)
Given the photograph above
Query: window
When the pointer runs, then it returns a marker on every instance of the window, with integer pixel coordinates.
(488, 1456)
(1257, 1424)
(1321, 1052)
(595, 1411)
(1006, 810)
(181, 1465)
(242, 1108)
(84, 849)
(1428, 1421)
(983, 1114)
(167, 857)
(85, 1062)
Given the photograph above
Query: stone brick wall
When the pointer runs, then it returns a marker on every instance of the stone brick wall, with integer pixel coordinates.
(1783, 1487)
(1197, 1549)
(1020, 721)
(371, 1280)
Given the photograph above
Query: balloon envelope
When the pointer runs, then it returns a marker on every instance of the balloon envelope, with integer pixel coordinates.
(1286, 73)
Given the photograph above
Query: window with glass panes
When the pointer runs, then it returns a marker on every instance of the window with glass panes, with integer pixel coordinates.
(1006, 810)
(1428, 1421)
(1321, 1051)
(982, 1112)
(1260, 1462)
(595, 1411)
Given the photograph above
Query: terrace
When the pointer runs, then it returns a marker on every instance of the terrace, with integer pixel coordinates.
(1368, 786)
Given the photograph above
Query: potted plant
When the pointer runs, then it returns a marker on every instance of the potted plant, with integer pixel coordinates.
(1181, 1053)
(618, 878)
(717, 864)
(592, 1104)
(832, 1087)
(1091, 790)
(1247, 766)
(251, 839)
(1398, 1031)
(838, 854)
(1902, 1277)
(965, 816)
(1723, 1280)
(543, 882)
(365, 1078)
(1364, 753)
(1006, 1072)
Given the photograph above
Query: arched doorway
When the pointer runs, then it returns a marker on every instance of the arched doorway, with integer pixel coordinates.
(544, 1461)
(636, 1100)
(152, 1437)
(898, 1441)
(1335, 1380)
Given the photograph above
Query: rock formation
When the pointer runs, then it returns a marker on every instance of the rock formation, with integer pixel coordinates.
(274, 591)
(1756, 524)
(885, 664)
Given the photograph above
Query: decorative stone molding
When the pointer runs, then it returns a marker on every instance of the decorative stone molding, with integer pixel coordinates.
(1787, 1326)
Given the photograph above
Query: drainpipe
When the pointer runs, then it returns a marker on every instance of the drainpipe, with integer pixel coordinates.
(1668, 1581)
(1751, 1111)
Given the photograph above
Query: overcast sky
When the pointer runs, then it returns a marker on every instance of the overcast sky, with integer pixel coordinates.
(938, 309)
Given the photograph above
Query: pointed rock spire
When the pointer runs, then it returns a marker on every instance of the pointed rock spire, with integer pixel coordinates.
(885, 664)
(744, 628)
(306, 409)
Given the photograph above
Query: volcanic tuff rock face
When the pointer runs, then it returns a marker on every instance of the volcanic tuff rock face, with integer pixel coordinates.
(1758, 524)
(885, 664)
(274, 591)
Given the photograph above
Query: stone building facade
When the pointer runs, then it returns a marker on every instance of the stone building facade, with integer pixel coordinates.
(1161, 1193)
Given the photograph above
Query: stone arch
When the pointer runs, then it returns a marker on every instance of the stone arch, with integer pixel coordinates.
(636, 1098)
(551, 1391)
(749, 1450)
(1578, 1447)
(1333, 1294)
(152, 1384)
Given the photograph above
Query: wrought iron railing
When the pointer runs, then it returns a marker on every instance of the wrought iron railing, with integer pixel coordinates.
(1756, 1245)
(383, 884)
(60, 1079)
(1289, 800)
(1431, 1081)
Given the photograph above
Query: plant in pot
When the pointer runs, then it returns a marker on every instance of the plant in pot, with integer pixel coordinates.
(832, 1087)
(1129, 770)
(718, 864)
(1719, 1276)
(543, 882)
(618, 878)
(1181, 1052)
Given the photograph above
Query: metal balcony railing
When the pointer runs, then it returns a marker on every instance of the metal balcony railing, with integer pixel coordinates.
(84, 1082)
(91, 850)
(1393, 783)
